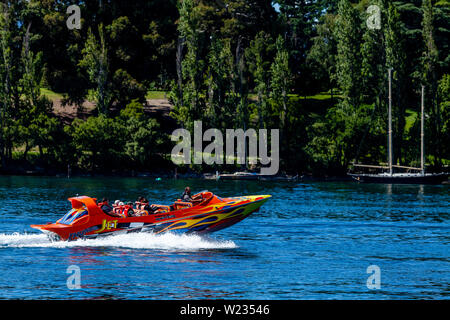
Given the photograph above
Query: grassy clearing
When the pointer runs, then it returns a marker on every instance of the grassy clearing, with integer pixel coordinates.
(323, 96)
(50, 94)
(156, 95)
(319, 96)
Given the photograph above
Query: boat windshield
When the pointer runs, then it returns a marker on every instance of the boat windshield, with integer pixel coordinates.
(73, 215)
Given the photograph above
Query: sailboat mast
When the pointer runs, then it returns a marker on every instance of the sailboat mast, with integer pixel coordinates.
(390, 122)
(422, 133)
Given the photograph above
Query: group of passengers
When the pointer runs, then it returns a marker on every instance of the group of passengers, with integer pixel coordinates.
(121, 210)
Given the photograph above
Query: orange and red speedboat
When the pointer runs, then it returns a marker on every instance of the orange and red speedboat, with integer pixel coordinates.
(210, 213)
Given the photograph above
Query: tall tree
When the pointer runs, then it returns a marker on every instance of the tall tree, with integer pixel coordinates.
(322, 55)
(258, 57)
(193, 63)
(9, 74)
(95, 61)
(281, 80)
(5, 65)
(348, 59)
(220, 107)
(430, 60)
(32, 118)
(373, 60)
(444, 98)
(396, 59)
(298, 19)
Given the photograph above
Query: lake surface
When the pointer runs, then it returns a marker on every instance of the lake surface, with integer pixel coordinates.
(310, 241)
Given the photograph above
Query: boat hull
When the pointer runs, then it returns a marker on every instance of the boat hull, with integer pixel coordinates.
(437, 178)
(257, 176)
(211, 216)
(238, 177)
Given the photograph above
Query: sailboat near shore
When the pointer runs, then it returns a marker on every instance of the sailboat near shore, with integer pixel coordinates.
(418, 177)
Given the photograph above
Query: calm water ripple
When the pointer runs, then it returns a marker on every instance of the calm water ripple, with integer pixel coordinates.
(310, 241)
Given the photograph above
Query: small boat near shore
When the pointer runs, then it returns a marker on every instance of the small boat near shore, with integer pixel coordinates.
(255, 176)
(238, 176)
(86, 220)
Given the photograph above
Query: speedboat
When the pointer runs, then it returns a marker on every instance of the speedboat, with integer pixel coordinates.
(86, 220)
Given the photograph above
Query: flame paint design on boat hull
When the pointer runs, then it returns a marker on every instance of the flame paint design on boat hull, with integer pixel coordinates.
(86, 220)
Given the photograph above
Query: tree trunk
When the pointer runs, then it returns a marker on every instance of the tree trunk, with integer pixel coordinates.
(25, 153)
(179, 60)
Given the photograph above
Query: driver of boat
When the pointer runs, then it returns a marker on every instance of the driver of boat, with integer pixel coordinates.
(186, 197)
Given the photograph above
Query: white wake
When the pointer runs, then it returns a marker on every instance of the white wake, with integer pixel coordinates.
(166, 241)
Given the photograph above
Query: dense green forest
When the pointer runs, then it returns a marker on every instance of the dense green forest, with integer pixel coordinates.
(312, 68)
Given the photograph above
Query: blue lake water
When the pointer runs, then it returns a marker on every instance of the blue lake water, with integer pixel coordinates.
(310, 241)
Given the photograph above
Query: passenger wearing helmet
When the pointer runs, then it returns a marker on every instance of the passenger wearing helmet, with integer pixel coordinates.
(121, 209)
(106, 208)
(117, 208)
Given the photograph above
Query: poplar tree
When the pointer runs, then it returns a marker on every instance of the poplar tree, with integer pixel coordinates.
(348, 59)
(444, 98)
(281, 80)
(322, 55)
(192, 65)
(32, 118)
(95, 61)
(259, 67)
(5, 78)
(220, 107)
(430, 60)
(396, 59)
(373, 60)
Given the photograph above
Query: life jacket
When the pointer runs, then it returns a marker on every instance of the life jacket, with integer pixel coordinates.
(126, 210)
(138, 204)
(117, 210)
(122, 211)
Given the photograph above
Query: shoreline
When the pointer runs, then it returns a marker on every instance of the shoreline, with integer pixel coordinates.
(164, 174)
(161, 175)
